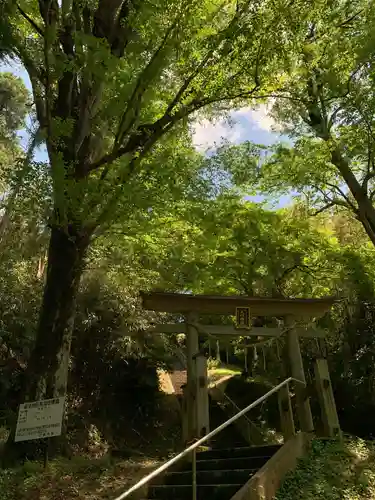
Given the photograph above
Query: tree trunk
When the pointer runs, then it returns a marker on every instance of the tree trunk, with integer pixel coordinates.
(48, 367)
(49, 362)
(366, 210)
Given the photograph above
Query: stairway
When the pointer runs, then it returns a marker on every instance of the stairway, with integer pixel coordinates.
(222, 470)
(250, 433)
(220, 474)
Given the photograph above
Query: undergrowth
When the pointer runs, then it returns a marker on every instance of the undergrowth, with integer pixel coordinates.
(80, 478)
(333, 471)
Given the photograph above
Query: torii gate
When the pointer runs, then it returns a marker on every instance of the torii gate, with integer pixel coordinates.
(292, 311)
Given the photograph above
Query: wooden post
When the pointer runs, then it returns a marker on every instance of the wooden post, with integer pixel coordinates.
(184, 413)
(192, 348)
(326, 399)
(218, 351)
(202, 406)
(286, 413)
(297, 371)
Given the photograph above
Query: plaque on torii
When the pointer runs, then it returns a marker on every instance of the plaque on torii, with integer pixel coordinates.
(243, 318)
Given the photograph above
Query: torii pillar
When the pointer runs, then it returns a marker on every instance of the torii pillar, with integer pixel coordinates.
(196, 391)
(297, 372)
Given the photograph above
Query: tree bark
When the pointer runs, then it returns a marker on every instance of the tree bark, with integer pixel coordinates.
(48, 367)
(366, 210)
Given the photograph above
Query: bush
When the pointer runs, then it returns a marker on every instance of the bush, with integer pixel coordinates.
(113, 382)
(113, 393)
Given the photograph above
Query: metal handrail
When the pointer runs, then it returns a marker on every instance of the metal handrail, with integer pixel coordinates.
(250, 422)
(205, 438)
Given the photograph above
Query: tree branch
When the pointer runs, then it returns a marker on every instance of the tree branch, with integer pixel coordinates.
(187, 82)
(245, 286)
(132, 110)
(49, 10)
(348, 88)
(29, 20)
(130, 171)
(336, 201)
(370, 162)
(350, 19)
(341, 193)
(323, 209)
(138, 138)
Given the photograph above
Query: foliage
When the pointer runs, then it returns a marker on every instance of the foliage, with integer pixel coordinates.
(111, 83)
(325, 103)
(115, 91)
(251, 251)
(352, 349)
(14, 102)
(113, 378)
(333, 470)
(160, 71)
(107, 364)
(328, 105)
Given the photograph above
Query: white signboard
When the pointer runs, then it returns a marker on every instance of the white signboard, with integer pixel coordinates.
(40, 419)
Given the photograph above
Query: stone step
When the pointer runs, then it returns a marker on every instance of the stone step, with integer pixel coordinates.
(230, 463)
(227, 476)
(229, 437)
(244, 451)
(184, 492)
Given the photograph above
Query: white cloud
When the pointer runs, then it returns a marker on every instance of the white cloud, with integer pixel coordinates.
(210, 134)
(244, 124)
(259, 117)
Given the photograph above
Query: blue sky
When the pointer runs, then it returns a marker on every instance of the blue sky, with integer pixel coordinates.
(18, 70)
(244, 125)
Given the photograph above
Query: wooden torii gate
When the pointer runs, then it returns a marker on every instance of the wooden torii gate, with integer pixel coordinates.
(293, 313)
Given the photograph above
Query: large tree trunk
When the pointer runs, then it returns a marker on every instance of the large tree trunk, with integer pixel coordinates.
(48, 367)
(49, 362)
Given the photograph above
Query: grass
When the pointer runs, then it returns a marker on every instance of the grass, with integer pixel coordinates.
(223, 370)
(78, 479)
(216, 373)
(333, 471)
(226, 370)
(93, 475)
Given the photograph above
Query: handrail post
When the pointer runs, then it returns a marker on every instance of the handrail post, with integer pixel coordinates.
(194, 473)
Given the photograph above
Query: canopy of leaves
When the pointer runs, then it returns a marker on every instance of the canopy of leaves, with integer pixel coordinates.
(14, 105)
(111, 78)
(14, 101)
